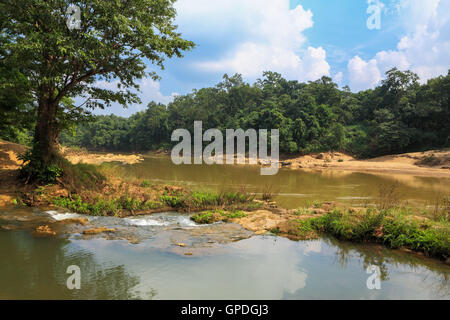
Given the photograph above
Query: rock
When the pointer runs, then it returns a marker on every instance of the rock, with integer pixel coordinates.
(260, 232)
(319, 211)
(320, 156)
(188, 254)
(9, 227)
(272, 204)
(82, 221)
(181, 245)
(98, 230)
(45, 230)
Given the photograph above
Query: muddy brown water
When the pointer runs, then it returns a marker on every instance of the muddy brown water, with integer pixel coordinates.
(143, 259)
(294, 188)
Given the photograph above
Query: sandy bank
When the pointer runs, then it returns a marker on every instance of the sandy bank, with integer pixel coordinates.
(429, 163)
(98, 158)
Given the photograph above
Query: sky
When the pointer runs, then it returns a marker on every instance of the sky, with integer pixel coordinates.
(302, 40)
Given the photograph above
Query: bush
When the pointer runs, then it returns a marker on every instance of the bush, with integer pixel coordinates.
(34, 169)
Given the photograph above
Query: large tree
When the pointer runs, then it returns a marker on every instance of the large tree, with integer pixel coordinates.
(61, 61)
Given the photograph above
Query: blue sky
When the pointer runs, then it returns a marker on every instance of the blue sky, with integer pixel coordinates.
(303, 40)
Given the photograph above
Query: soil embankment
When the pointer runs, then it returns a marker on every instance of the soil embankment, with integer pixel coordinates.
(435, 163)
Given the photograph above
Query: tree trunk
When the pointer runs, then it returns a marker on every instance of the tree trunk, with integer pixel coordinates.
(46, 145)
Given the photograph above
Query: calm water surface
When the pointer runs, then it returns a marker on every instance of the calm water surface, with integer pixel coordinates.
(143, 261)
(295, 187)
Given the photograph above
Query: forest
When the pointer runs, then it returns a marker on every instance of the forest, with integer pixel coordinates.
(400, 115)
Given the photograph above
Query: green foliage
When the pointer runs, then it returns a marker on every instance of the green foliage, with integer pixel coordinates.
(234, 215)
(201, 200)
(395, 228)
(398, 116)
(207, 217)
(145, 183)
(212, 216)
(173, 201)
(40, 171)
(44, 65)
(105, 207)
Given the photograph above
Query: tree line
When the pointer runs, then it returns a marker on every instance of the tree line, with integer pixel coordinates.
(400, 115)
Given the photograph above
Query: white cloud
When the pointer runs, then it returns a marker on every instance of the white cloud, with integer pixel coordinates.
(269, 37)
(149, 91)
(363, 74)
(425, 49)
(338, 77)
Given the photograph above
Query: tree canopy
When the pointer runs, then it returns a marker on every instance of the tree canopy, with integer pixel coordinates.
(114, 41)
(400, 115)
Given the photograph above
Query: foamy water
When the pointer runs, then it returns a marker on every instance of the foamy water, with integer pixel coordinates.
(63, 216)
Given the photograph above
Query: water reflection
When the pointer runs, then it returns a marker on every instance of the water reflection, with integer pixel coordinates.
(35, 268)
(296, 187)
(262, 267)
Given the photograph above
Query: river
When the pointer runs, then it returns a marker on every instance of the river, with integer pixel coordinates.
(144, 259)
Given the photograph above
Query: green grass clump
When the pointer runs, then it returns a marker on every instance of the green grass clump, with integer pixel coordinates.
(199, 199)
(394, 228)
(105, 207)
(234, 215)
(207, 217)
(212, 216)
(75, 204)
(432, 238)
(204, 200)
(305, 229)
(145, 183)
(173, 201)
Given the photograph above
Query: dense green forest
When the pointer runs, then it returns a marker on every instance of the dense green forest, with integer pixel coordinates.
(400, 115)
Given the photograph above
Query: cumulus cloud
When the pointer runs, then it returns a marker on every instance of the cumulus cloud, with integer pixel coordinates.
(150, 90)
(363, 74)
(425, 49)
(270, 37)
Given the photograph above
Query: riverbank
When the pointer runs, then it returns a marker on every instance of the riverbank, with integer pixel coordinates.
(105, 191)
(433, 163)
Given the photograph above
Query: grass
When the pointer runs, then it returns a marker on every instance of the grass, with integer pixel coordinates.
(394, 228)
(111, 205)
(105, 207)
(80, 176)
(297, 229)
(205, 200)
(145, 183)
(212, 216)
(268, 192)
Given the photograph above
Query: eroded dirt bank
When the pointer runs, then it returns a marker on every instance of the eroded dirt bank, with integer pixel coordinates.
(435, 163)
(98, 158)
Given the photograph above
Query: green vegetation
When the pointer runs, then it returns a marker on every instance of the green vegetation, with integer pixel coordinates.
(181, 201)
(145, 183)
(394, 228)
(105, 207)
(398, 116)
(44, 65)
(213, 216)
(202, 200)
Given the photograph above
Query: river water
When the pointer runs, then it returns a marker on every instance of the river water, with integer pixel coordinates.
(144, 259)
